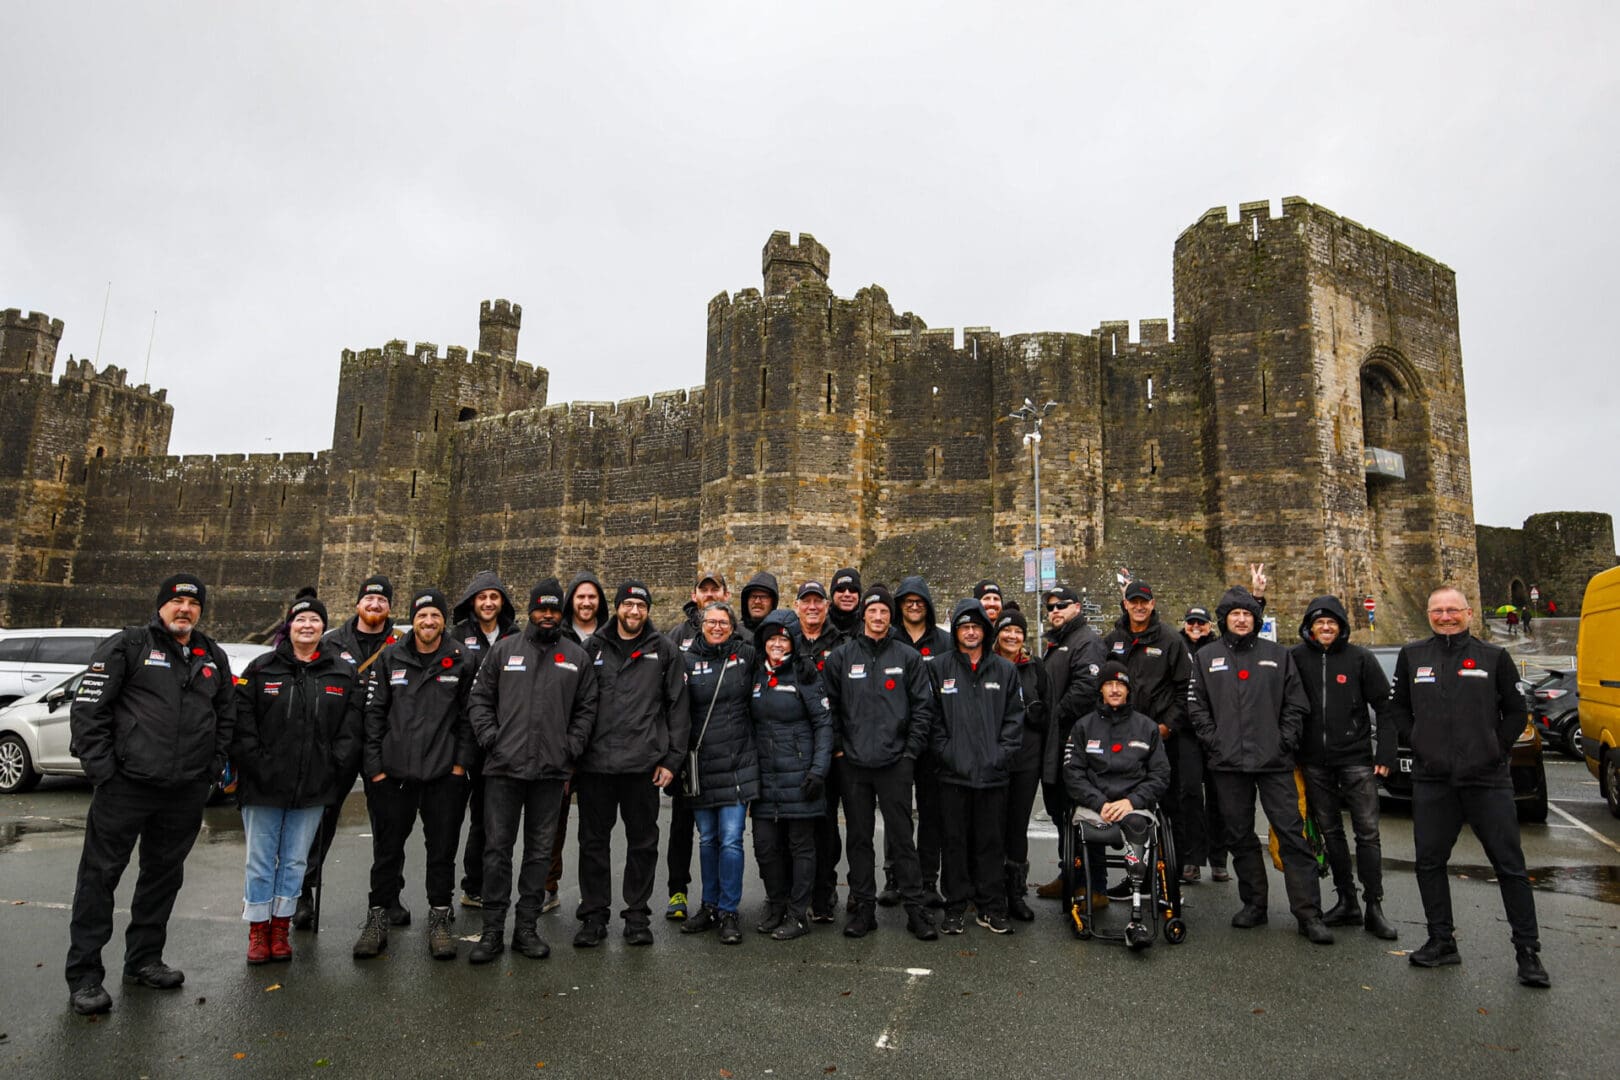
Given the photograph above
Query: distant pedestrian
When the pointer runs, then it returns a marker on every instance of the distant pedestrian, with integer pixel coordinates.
(151, 723)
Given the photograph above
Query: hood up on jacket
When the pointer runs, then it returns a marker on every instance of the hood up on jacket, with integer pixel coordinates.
(602, 611)
(1234, 598)
(1325, 606)
(915, 585)
(971, 610)
(782, 618)
(764, 581)
(484, 579)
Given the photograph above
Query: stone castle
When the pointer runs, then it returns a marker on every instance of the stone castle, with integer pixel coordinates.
(1307, 412)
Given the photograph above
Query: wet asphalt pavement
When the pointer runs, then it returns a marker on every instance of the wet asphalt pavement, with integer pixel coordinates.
(1037, 1003)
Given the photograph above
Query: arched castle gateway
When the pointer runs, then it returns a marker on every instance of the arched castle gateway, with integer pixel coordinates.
(1307, 412)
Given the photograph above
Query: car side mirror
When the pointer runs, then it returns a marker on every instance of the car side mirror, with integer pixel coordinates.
(55, 698)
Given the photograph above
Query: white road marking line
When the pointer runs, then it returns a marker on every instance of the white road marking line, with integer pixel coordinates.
(1583, 826)
(888, 1038)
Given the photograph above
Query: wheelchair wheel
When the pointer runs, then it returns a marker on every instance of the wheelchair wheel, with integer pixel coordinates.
(1175, 931)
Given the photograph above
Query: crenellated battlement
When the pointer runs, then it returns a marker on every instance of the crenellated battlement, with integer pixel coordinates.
(1114, 336)
(426, 353)
(34, 321)
(1254, 221)
(79, 374)
(785, 264)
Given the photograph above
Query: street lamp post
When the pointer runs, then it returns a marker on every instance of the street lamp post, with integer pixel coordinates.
(1032, 438)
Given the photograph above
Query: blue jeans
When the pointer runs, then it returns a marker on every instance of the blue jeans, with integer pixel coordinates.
(720, 853)
(277, 851)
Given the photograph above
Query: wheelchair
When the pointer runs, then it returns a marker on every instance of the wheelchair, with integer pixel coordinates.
(1156, 901)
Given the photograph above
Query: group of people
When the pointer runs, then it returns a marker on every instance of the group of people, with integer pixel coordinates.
(853, 703)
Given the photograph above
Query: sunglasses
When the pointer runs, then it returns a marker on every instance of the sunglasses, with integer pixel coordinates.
(1060, 605)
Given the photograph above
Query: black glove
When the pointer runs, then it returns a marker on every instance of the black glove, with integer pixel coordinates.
(814, 787)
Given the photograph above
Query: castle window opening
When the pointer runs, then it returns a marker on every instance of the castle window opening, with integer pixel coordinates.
(179, 495)
(61, 469)
(359, 419)
(53, 521)
(283, 494)
(829, 392)
(230, 496)
(413, 483)
(1254, 223)
(1265, 396)
(435, 419)
(467, 413)
(872, 394)
(687, 444)
(655, 510)
(632, 450)
(763, 382)
(1150, 392)
(101, 451)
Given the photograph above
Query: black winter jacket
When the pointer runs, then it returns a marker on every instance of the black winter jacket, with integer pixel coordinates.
(354, 648)
(416, 718)
(1342, 682)
(792, 730)
(818, 650)
(641, 717)
(152, 709)
(723, 736)
(1457, 700)
(1074, 659)
(1247, 705)
(1159, 668)
(934, 641)
(1115, 754)
(882, 701)
(980, 724)
(687, 629)
(533, 705)
(569, 630)
(764, 581)
(1036, 687)
(298, 729)
(466, 632)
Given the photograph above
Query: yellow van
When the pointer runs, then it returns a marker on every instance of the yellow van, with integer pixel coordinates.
(1597, 665)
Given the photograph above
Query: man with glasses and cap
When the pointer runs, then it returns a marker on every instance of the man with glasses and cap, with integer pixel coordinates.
(710, 588)
(1196, 632)
(815, 638)
(845, 613)
(1074, 659)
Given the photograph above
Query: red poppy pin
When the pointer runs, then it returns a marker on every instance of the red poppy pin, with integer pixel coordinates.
(1343, 679)
(391, 640)
(1117, 748)
(559, 658)
(820, 665)
(925, 650)
(316, 655)
(447, 662)
(888, 684)
(636, 655)
(773, 680)
(1244, 674)
(198, 651)
(733, 659)
(1468, 661)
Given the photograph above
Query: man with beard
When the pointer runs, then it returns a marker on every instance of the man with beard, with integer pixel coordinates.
(759, 598)
(815, 638)
(919, 628)
(151, 723)
(482, 616)
(1074, 658)
(845, 614)
(1196, 632)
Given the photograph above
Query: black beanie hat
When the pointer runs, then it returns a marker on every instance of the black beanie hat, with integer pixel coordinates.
(847, 578)
(306, 600)
(377, 584)
(1113, 671)
(182, 584)
(877, 594)
(549, 593)
(430, 598)
(1012, 617)
(632, 590)
(985, 586)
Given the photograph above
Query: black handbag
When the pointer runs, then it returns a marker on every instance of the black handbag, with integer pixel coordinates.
(691, 786)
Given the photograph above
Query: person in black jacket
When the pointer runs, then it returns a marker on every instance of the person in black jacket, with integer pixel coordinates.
(1196, 632)
(151, 724)
(636, 748)
(482, 616)
(709, 588)
(298, 729)
(417, 747)
(1116, 771)
(532, 707)
(1074, 657)
(1346, 686)
(1160, 670)
(814, 639)
(1024, 773)
(793, 737)
(1248, 708)
(882, 706)
(758, 599)
(919, 627)
(977, 731)
(845, 611)
(1457, 700)
(583, 605)
(358, 643)
(722, 736)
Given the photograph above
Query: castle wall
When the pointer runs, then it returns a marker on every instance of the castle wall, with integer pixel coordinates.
(1565, 549)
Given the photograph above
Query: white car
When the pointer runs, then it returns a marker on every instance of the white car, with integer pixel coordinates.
(34, 660)
(35, 730)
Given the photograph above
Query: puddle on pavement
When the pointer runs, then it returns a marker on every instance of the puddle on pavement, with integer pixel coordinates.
(1601, 883)
(14, 832)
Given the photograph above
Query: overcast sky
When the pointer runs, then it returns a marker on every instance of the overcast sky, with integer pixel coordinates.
(282, 181)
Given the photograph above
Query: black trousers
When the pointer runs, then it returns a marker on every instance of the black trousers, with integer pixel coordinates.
(322, 843)
(930, 835)
(1438, 813)
(785, 849)
(868, 792)
(395, 806)
(472, 854)
(829, 842)
(1184, 802)
(1021, 789)
(682, 829)
(973, 821)
(537, 802)
(1279, 798)
(1214, 827)
(603, 798)
(554, 875)
(164, 821)
(1329, 791)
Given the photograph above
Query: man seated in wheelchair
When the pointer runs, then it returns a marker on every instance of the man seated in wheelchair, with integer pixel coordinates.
(1116, 770)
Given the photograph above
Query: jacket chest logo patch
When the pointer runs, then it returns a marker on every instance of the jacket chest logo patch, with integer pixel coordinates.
(515, 663)
(894, 671)
(566, 665)
(346, 655)
(1217, 663)
(335, 691)
(472, 643)
(1153, 651)
(1425, 673)
(1475, 673)
(158, 658)
(1138, 744)
(686, 643)
(207, 671)
(1268, 663)
(397, 678)
(272, 688)
(992, 686)
(857, 671)
(948, 686)
(1119, 647)
(1094, 746)
(450, 678)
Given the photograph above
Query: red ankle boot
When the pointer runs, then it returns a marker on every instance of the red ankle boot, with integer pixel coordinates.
(280, 947)
(258, 942)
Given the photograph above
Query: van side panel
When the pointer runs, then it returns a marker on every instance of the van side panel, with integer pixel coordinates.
(1597, 664)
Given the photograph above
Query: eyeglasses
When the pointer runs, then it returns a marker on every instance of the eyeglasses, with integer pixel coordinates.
(1060, 605)
(845, 588)
(1448, 611)
(913, 601)
(720, 624)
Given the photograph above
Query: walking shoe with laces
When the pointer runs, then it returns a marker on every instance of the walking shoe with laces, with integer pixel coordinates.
(862, 922)
(491, 943)
(440, 942)
(592, 932)
(552, 903)
(1250, 916)
(994, 921)
(472, 900)
(89, 1000)
(373, 937)
(707, 918)
(952, 922)
(676, 908)
(398, 914)
(774, 914)
(156, 976)
(1436, 952)
(792, 927)
(1531, 973)
(527, 941)
(638, 933)
(258, 950)
(280, 939)
(730, 928)
(920, 923)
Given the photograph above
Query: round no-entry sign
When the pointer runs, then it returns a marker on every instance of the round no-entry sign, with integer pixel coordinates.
(1535, 593)
(1369, 603)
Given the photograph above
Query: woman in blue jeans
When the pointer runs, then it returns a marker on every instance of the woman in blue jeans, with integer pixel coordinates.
(717, 691)
(298, 719)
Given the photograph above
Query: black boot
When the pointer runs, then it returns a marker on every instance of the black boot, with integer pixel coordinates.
(490, 945)
(774, 914)
(1017, 884)
(862, 922)
(1376, 924)
(303, 916)
(1316, 931)
(1436, 952)
(1531, 973)
(707, 918)
(527, 941)
(1346, 912)
(920, 923)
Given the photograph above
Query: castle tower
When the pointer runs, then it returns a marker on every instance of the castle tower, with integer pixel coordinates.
(1335, 430)
(28, 342)
(785, 264)
(390, 474)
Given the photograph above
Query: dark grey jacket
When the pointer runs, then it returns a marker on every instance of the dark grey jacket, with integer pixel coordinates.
(642, 721)
(1074, 658)
(1115, 754)
(416, 718)
(533, 706)
(723, 736)
(792, 730)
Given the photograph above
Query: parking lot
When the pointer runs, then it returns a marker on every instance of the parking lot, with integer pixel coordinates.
(1036, 1003)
